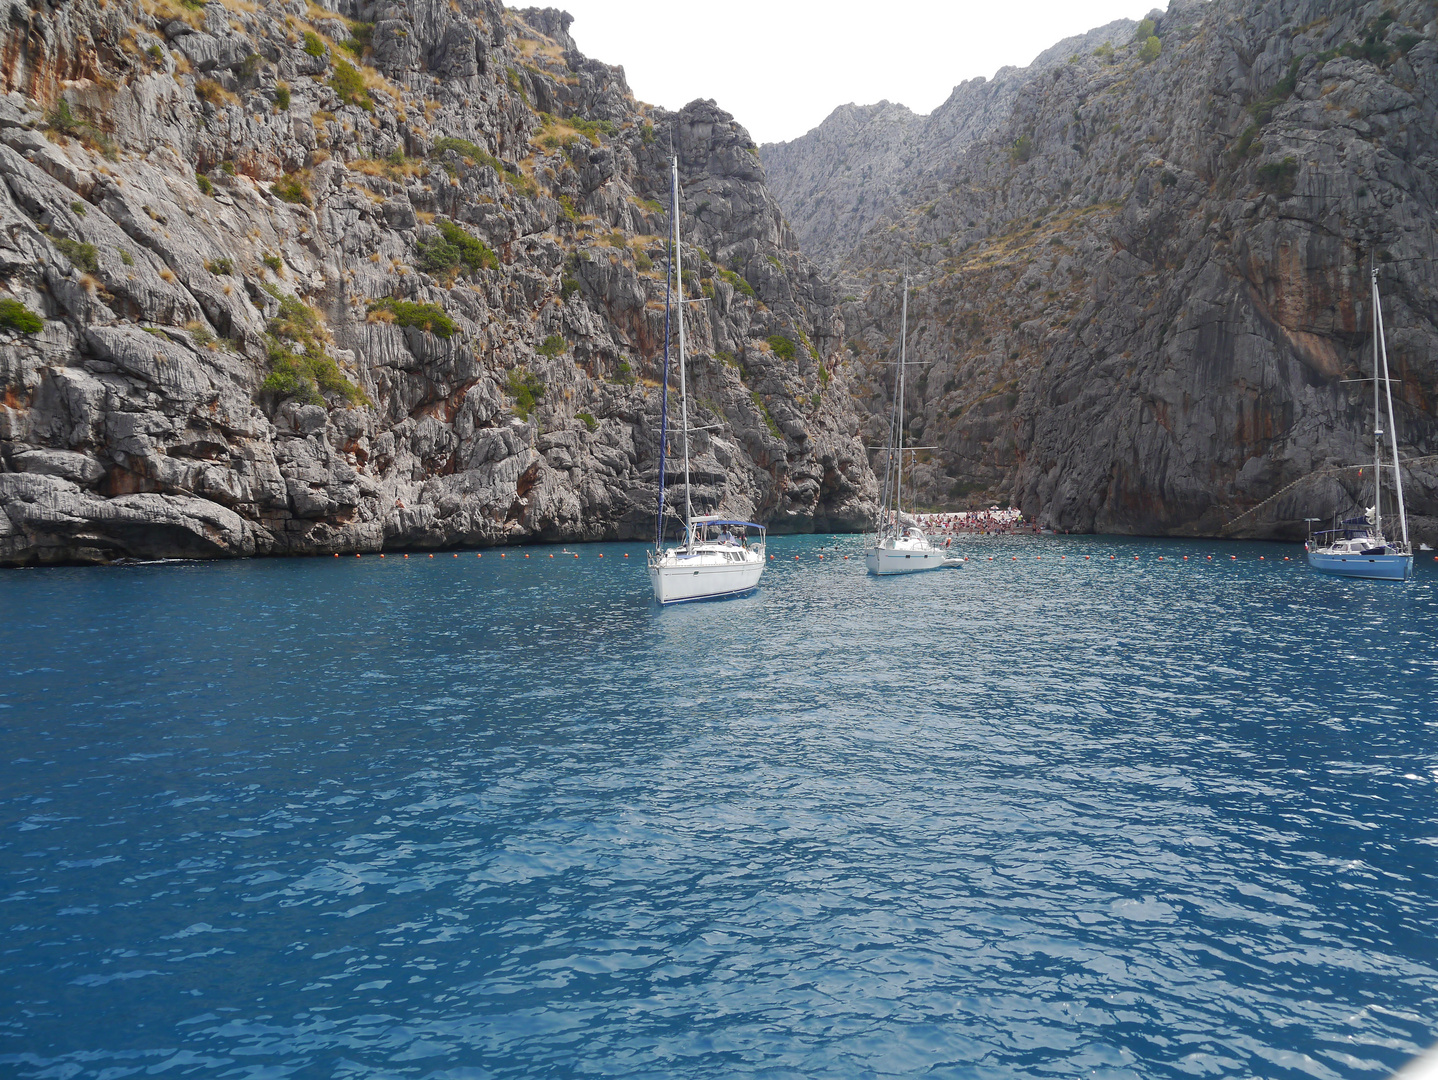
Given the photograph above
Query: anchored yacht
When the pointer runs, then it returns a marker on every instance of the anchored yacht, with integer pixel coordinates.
(897, 544)
(719, 556)
(1357, 547)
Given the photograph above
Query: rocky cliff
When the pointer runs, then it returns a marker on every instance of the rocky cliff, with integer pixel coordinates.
(1141, 301)
(283, 278)
(864, 160)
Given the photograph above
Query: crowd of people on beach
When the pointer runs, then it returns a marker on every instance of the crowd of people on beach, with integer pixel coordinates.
(990, 522)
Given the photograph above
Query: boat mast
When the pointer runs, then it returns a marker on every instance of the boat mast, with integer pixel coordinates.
(683, 392)
(899, 406)
(1382, 348)
(664, 407)
(1377, 418)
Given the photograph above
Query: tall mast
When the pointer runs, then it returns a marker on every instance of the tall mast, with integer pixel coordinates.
(903, 344)
(664, 406)
(1377, 417)
(683, 393)
(1388, 395)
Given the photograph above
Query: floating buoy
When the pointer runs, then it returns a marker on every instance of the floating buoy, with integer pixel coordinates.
(551, 556)
(848, 556)
(1038, 556)
(601, 554)
(1185, 558)
(456, 554)
(1210, 558)
(501, 554)
(576, 555)
(771, 558)
(1087, 556)
(1160, 558)
(337, 554)
(1110, 557)
(357, 554)
(1016, 558)
(1063, 556)
(406, 554)
(796, 558)
(1260, 558)
(1234, 558)
(526, 555)
(1135, 558)
(381, 554)
(1285, 558)
(477, 555)
(431, 555)
(626, 554)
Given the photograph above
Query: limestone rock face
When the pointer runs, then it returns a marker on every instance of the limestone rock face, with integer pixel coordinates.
(1140, 301)
(864, 160)
(386, 276)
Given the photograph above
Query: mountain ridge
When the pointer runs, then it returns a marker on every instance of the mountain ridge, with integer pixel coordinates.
(1141, 302)
(286, 279)
(844, 175)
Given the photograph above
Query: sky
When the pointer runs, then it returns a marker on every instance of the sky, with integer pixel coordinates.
(781, 66)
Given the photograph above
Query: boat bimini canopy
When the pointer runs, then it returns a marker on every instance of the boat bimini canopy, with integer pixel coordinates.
(715, 519)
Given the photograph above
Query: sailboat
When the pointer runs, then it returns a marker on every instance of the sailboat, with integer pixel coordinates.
(1358, 547)
(719, 556)
(897, 547)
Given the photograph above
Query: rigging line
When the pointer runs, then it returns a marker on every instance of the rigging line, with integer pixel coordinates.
(664, 407)
(1331, 470)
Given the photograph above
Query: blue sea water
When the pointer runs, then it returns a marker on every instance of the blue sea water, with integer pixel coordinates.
(1054, 814)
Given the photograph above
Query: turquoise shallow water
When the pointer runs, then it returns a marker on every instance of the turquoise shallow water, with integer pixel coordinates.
(461, 817)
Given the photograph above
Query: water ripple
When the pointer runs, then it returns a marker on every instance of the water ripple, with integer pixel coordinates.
(1045, 816)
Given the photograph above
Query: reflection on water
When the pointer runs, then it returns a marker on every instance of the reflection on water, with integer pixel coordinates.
(461, 817)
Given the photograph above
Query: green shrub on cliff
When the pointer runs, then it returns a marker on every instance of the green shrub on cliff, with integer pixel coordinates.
(428, 317)
(313, 45)
(299, 366)
(348, 85)
(1279, 177)
(527, 389)
(1143, 32)
(471, 252)
(552, 346)
(361, 34)
(16, 316)
(1151, 48)
(292, 190)
(783, 347)
(738, 282)
(82, 256)
(306, 377)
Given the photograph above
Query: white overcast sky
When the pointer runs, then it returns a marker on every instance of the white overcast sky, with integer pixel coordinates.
(781, 66)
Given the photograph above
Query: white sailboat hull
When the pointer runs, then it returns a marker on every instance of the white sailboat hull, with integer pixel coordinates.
(1375, 567)
(677, 579)
(883, 561)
